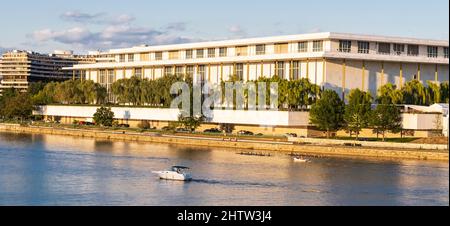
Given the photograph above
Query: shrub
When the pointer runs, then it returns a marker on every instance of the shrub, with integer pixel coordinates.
(144, 125)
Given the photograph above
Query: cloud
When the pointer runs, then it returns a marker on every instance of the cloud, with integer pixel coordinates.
(112, 36)
(112, 32)
(96, 18)
(315, 30)
(81, 17)
(237, 30)
(180, 26)
(3, 50)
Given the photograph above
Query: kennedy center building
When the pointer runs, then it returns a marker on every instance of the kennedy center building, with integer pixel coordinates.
(336, 61)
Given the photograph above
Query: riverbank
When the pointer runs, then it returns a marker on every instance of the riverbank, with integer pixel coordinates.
(286, 147)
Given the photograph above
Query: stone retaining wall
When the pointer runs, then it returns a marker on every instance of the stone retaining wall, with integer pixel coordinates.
(335, 151)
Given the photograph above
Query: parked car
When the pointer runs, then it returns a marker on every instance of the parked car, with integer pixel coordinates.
(259, 134)
(182, 130)
(167, 128)
(84, 123)
(123, 126)
(245, 132)
(290, 135)
(212, 130)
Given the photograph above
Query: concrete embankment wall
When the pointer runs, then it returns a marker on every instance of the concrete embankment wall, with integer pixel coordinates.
(337, 151)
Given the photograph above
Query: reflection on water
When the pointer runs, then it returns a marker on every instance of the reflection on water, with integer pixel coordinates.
(59, 170)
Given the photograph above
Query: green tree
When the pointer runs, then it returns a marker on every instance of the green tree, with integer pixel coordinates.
(444, 89)
(433, 93)
(357, 111)
(35, 87)
(390, 93)
(104, 116)
(328, 112)
(386, 117)
(16, 106)
(191, 123)
(414, 93)
(227, 128)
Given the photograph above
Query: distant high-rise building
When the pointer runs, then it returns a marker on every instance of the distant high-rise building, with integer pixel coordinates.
(19, 68)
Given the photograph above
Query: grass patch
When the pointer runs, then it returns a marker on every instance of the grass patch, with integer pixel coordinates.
(374, 139)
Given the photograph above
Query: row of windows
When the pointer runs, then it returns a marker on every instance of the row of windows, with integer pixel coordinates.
(279, 48)
(385, 48)
(106, 77)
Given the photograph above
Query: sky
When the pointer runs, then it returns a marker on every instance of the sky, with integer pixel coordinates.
(84, 25)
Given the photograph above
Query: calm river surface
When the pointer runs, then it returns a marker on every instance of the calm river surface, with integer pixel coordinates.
(62, 170)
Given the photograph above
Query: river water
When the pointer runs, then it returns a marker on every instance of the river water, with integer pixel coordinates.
(62, 170)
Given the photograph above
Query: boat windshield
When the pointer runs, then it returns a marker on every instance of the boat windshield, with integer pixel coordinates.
(179, 168)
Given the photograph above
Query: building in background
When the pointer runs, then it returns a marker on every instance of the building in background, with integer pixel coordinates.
(336, 61)
(19, 68)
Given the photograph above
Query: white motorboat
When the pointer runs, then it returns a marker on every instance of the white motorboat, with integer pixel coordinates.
(300, 160)
(180, 173)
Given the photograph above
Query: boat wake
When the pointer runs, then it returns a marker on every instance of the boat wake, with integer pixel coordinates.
(256, 184)
(235, 183)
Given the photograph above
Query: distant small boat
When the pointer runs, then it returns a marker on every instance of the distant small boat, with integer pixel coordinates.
(300, 160)
(179, 173)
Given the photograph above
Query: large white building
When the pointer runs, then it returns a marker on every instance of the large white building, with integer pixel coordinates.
(332, 60)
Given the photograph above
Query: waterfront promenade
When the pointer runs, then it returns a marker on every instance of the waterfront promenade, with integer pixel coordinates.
(310, 149)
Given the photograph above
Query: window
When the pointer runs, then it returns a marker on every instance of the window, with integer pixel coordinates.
(295, 70)
(145, 57)
(399, 49)
(201, 73)
(138, 72)
(200, 53)
(110, 76)
(240, 72)
(211, 52)
(303, 47)
(122, 58)
(241, 51)
(384, 48)
(445, 52)
(281, 48)
(260, 49)
(130, 57)
(432, 51)
(280, 69)
(363, 47)
(223, 52)
(173, 55)
(317, 46)
(413, 50)
(168, 71)
(189, 70)
(179, 71)
(345, 46)
(158, 56)
(189, 54)
(102, 77)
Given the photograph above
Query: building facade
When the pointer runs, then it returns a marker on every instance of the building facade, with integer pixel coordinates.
(19, 68)
(336, 61)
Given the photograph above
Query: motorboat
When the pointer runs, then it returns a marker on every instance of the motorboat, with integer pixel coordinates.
(301, 160)
(179, 173)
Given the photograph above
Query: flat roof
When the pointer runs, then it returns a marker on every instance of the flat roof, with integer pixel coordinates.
(279, 39)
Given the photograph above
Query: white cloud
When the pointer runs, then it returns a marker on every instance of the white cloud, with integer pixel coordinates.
(113, 32)
(237, 30)
(110, 37)
(179, 26)
(81, 17)
(2, 50)
(96, 18)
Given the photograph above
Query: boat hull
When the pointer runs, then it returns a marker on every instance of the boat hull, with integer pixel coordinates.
(300, 160)
(170, 175)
